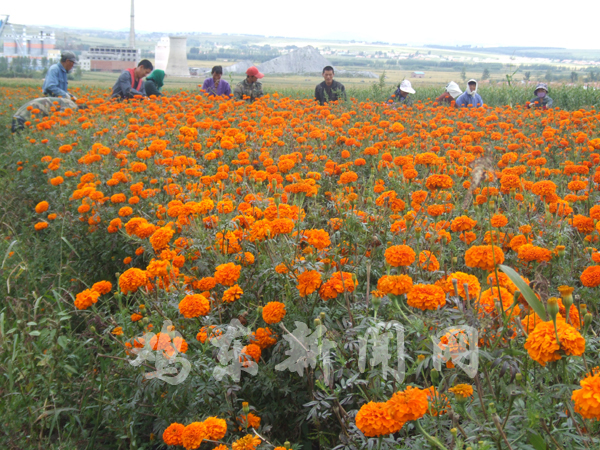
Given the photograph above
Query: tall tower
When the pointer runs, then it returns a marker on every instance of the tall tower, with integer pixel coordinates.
(132, 28)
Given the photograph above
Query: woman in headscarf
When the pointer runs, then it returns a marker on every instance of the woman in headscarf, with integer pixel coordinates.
(541, 99)
(451, 94)
(154, 83)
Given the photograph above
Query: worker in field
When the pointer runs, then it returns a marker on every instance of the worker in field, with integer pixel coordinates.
(250, 88)
(329, 90)
(38, 108)
(470, 97)
(154, 83)
(56, 83)
(402, 94)
(215, 85)
(131, 82)
(450, 95)
(541, 99)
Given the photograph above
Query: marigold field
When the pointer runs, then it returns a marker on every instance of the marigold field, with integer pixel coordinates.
(135, 235)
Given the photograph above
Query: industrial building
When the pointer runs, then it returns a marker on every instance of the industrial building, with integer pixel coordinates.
(111, 59)
(28, 46)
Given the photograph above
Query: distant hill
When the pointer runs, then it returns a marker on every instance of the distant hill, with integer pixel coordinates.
(303, 60)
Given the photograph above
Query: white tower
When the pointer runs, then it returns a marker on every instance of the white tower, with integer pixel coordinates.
(177, 65)
(132, 28)
(161, 54)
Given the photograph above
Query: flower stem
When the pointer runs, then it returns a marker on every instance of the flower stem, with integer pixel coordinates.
(433, 441)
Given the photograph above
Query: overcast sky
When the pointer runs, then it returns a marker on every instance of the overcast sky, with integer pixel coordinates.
(505, 22)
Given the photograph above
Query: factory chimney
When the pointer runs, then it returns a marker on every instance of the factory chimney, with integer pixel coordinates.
(132, 28)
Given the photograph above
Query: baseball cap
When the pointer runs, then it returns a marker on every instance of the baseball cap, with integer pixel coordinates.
(69, 56)
(253, 72)
(405, 86)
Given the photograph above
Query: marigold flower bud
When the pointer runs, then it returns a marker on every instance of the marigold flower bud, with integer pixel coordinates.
(587, 320)
(435, 376)
(287, 445)
(317, 322)
(323, 315)
(553, 308)
(245, 407)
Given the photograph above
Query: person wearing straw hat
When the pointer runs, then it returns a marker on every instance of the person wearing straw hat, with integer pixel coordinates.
(56, 83)
(154, 83)
(541, 99)
(451, 94)
(250, 88)
(402, 94)
(470, 97)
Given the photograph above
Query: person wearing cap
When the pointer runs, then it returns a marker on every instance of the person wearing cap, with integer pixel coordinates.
(250, 87)
(541, 99)
(451, 94)
(401, 96)
(470, 97)
(329, 90)
(56, 83)
(216, 86)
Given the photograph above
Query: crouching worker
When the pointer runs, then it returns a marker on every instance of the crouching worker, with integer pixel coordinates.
(154, 83)
(470, 97)
(541, 99)
(451, 94)
(250, 88)
(402, 94)
(56, 83)
(131, 82)
(40, 107)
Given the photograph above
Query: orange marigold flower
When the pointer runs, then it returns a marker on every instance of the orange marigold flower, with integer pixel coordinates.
(438, 402)
(542, 346)
(205, 284)
(472, 282)
(40, 226)
(499, 220)
(215, 428)
(319, 239)
(484, 257)
(263, 337)
(104, 287)
(426, 296)
(462, 390)
(428, 261)
(232, 294)
(194, 305)
(227, 274)
(410, 404)
(462, 223)
(87, 298)
(193, 435)
(395, 284)
(583, 223)
(42, 207)
(131, 280)
(248, 442)
(252, 420)
(587, 399)
(273, 312)
(308, 282)
(439, 182)
(374, 419)
(161, 237)
(530, 252)
(250, 351)
(135, 317)
(172, 435)
(591, 276)
(400, 255)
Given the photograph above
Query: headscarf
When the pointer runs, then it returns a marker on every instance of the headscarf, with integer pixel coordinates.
(453, 89)
(469, 91)
(158, 77)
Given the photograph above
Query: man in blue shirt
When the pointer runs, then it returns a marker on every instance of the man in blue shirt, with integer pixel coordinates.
(56, 84)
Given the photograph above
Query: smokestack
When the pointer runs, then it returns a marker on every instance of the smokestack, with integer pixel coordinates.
(132, 28)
